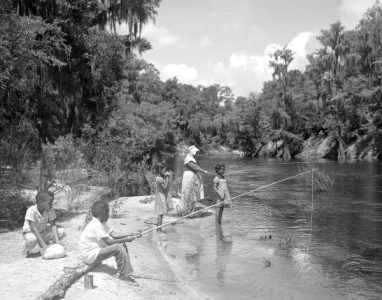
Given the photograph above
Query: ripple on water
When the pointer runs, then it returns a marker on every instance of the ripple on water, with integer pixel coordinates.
(344, 259)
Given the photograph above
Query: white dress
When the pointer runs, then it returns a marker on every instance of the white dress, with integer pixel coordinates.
(192, 187)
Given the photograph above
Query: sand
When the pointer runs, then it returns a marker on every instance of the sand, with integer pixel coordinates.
(27, 278)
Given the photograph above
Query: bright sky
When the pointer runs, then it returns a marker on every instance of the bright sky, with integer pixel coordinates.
(229, 42)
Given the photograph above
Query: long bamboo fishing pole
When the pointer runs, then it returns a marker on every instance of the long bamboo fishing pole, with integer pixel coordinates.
(220, 203)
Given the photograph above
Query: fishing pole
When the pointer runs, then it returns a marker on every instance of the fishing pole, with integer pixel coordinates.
(225, 201)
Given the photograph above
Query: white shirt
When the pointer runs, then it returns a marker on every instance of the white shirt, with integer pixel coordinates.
(40, 221)
(91, 240)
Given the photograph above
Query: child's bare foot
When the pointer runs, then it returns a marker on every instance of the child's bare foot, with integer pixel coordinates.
(129, 280)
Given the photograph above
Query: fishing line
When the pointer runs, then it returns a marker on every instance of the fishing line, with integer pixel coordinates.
(311, 214)
(267, 228)
(226, 201)
(180, 281)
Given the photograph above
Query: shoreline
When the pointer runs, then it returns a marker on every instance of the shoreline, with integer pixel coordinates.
(158, 277)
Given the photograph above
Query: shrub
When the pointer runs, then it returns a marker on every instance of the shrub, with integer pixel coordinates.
(13, 206)
(322, 181)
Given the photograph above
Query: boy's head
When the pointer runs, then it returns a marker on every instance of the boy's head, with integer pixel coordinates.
(219, 168)
(44, 200)
(100, 210)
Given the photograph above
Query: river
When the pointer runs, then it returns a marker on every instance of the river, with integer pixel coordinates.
(236, 261)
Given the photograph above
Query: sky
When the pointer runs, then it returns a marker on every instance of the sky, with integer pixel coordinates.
(229, 42)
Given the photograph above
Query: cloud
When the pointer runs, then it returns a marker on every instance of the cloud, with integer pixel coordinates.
(205, 42)
(239, 60)
(351, 11)
(251, 70)
(159, 36)
(298, 45)
(243, 72)
(184, 73)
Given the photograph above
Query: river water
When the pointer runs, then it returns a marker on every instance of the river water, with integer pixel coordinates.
(344, 260)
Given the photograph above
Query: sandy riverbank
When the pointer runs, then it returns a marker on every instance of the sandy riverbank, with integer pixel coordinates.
(22, 278)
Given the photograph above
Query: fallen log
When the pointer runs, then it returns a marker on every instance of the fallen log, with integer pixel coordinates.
(57, 290)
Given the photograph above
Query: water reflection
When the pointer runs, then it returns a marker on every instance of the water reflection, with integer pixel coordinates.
(223, 253)
(345, 255)
(194, 252)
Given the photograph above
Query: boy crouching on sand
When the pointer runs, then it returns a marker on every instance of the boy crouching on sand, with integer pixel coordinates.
(40, 224)
(98, 242)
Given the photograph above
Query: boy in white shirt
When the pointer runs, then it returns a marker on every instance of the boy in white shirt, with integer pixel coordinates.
(98, 242)
(40, 224)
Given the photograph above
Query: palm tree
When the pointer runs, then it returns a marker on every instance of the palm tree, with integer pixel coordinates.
(136, 13)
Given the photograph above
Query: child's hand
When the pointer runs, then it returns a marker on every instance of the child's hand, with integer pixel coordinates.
(43, 249)
(138, 234)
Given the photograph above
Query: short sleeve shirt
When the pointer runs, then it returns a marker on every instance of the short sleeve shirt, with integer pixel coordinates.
(91, 240)
(40, 221)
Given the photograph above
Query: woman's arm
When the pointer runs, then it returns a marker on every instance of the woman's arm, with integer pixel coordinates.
(194, 167)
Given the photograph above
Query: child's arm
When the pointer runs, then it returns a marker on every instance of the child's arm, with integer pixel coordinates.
(124, 239)
(52, 220)
(55, 231)
(120, 235)
(40, 240)
(164, 184)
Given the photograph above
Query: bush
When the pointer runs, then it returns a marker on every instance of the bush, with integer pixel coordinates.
(64, 164)
(322, 181)
(13, 206)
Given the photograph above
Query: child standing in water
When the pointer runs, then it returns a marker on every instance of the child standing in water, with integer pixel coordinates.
(162, 197)
(221, 189)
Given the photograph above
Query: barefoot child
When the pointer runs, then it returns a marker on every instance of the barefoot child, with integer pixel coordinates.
(40, 224)
(162, 197)
(98, 242)
(221, 189)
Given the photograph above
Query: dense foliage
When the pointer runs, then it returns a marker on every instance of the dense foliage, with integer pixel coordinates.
(64, 71)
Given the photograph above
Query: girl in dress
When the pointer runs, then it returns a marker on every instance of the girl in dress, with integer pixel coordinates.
(162, 197)
(221, 190)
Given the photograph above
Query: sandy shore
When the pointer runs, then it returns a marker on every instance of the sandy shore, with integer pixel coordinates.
(22, 278)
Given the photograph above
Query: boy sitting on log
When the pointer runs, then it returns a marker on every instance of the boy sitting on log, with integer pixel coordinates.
(98, 242)
(40, 224)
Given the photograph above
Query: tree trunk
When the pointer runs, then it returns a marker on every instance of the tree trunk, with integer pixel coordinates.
(286, 154)
(57, 290)
(341, 150)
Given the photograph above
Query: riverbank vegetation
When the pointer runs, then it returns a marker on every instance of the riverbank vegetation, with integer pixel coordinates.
(74, 95)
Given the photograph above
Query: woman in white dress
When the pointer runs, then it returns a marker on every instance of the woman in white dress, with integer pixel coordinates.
(192, 186)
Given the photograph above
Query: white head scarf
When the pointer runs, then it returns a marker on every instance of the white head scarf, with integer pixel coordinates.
(192, 150)
(190, 155)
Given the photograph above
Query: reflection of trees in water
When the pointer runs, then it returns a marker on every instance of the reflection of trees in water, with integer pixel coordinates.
(193, 257)
(223, 252)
